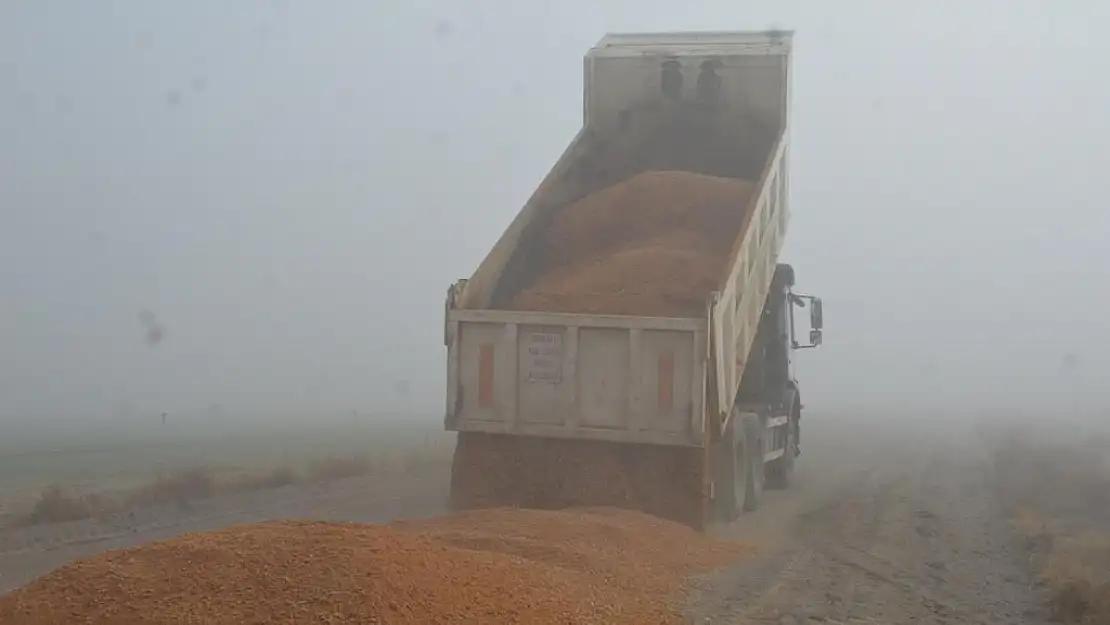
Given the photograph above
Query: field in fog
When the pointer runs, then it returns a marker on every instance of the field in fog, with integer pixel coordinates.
(110, 466)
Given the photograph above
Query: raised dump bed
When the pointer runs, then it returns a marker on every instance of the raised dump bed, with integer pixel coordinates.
(621, 303)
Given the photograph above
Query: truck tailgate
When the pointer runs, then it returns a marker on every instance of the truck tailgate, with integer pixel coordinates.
(614, 378)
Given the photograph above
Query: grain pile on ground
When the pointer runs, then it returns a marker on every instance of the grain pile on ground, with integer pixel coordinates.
(496, 566)
(631, 551)
(493, 470)
(655, 244)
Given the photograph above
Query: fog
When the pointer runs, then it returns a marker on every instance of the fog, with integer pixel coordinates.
(284, 190)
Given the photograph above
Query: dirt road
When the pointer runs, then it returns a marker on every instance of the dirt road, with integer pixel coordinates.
(881, 525)
(894, 527)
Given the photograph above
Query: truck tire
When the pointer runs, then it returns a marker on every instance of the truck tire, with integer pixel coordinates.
(732, 473)
(753, 463)
(781, 469)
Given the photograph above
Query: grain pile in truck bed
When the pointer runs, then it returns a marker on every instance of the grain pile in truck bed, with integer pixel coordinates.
(491, 566)
(655, 244)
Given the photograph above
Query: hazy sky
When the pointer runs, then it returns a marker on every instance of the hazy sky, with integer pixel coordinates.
(289, 187)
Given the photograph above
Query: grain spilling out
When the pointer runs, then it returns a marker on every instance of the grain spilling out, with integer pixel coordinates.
(493, 470)
(656, 244)
(489, 566)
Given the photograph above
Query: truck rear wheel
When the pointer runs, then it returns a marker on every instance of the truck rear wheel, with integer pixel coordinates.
(781, 469)
(753, 446)
(735, 477)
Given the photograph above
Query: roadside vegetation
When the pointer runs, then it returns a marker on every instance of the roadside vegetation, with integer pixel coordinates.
(57, 503)
(100, 473)
(1058, 493)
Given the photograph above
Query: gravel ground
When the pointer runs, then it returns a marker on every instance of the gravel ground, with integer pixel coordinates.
(905, 527)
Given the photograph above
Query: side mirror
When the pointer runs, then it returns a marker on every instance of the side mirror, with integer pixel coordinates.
(816, 317)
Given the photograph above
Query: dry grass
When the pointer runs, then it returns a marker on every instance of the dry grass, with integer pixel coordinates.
(1058, 494)
(274, 478)
(183, 487)
(1075, 567)
(1079, 567)
(337, 468)
(57, 504)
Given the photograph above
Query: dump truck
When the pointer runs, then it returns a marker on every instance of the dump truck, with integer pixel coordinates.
(685, 418)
